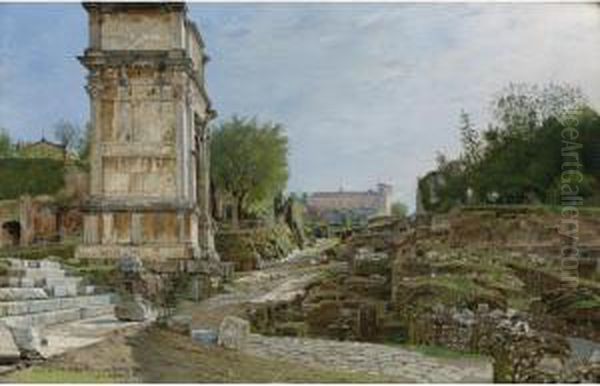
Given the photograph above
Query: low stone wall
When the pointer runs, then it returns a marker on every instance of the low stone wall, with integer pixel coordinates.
(348, 302)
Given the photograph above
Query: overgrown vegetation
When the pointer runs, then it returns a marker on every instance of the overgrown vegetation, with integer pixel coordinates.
(22, 176)
(50, 375)
(519, 157)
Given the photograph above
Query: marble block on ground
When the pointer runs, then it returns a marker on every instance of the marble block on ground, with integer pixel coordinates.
(17, 282)
(27, 338)
(9, 351)
(17, 294)
(134, 310)
(234, 332)
(204, 336)
(180, 323)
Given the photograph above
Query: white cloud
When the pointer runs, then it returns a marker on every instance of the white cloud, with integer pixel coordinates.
(370, 92)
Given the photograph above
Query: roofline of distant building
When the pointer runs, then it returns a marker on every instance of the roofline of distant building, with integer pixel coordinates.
(43, 141)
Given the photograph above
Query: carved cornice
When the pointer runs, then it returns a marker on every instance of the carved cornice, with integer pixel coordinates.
(178, 60)
(160, 59)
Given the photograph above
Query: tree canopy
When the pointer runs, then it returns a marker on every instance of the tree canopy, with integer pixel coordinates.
(6, 145)
(399, 209)
(519, 157)
(249, 161)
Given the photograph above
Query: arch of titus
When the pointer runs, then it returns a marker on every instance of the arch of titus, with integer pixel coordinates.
(149, 182)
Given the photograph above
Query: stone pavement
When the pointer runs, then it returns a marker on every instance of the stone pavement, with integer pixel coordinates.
(396, 363)
(82, 333)
(376, 359)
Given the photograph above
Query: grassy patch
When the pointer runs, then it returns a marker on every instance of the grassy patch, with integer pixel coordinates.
(587, 304)
(62, 251)
(156, 355)
(49, 375)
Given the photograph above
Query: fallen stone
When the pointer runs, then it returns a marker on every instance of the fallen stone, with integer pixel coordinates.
(27, 339)
(180, 323)
(18, 294)
(134, 310)
(20, 282)
(289, 291)
(550, 364)
(87, 290)
(205, 337)
(234, 333)
(63, 290)
(9, 351)
(49, 263)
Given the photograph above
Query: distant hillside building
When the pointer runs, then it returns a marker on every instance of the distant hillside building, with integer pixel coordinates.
(333, 206)
(43, 149)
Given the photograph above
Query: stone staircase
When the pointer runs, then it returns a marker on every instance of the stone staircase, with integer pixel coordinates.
(40, 293)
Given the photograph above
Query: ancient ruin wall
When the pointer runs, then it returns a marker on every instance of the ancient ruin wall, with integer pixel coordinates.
(149, 157)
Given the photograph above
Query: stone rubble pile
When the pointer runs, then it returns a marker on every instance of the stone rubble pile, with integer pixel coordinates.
(35, 294)
(346, 303)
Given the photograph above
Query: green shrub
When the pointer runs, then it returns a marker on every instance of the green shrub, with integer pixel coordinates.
(21, 176)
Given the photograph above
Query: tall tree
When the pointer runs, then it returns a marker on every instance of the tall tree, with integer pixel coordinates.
(68, 134)
(520, 108)
(249, 162)
(469, 136)
(6, 145)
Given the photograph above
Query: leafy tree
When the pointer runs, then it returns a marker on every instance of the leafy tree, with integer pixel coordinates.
(521, 107)
(399, 209)
(6, 146)
(249, 162)
(519, 158)
(523, 145)
(469, 136)
(472, 150)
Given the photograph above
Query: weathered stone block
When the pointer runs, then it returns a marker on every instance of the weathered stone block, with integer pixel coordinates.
(63, 290)
(87, 290)
(180, 323)
(205, 337)
(234, 333)
(48, 264)
(9, 351)
(96, 311)
(17, 282)
(17, 294)
(27, 338)
(134, 310)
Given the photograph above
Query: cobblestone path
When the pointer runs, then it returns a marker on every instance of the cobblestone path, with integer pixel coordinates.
(388, 361)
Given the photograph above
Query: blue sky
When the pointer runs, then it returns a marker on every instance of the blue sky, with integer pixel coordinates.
(368, 92)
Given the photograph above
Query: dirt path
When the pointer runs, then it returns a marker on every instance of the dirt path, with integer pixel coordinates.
(275, 282)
